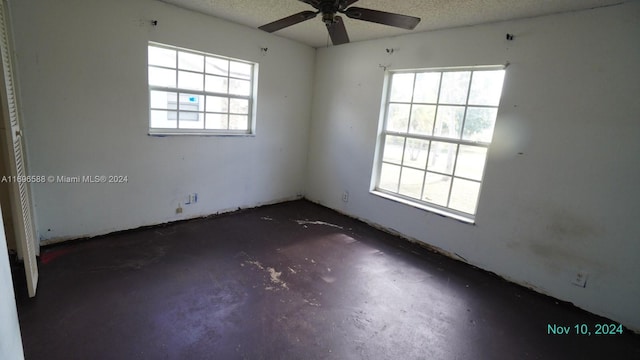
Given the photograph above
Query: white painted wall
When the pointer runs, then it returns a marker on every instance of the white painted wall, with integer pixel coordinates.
(570, 104)
(10, 338)
(83, 80)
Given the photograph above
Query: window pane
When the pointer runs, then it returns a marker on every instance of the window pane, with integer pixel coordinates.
(217, 104)
(436, 188)
(240, 70)
(471, 160)
(415, 153)
(186, 116)
(217, 66)
(191, 120)
(238, 122)
(191, 90)
(455, 85)
(486, 87)
(422, 119)
(217, 121)
(239, 87)
(191, 102)
(479, 124)
(449, 121)
(162, 57)
(398, 117)
(393, 146)
(389, 177)
(401, 87)
(163, 100)
(411, 182)
(464, 195)
(239, 106)
(163, 119)
(216, 84)
(426, 89)
(191, 81)
(441, 157)
(188, 61)
(444, 122)
(162, 77)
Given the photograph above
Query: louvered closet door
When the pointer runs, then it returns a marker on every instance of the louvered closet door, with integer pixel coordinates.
(20, 200)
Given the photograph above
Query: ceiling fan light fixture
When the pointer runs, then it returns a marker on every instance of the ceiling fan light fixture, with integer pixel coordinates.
(328, 17)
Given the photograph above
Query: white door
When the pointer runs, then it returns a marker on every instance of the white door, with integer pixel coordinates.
(10, 338)
(20, 199)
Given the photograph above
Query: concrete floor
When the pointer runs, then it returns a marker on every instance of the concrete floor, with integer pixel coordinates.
(288, 281)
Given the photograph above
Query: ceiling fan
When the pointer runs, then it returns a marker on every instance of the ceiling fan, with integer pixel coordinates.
(329, 10)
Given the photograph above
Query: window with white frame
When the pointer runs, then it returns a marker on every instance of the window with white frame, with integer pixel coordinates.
(436, 131)
(192, 92)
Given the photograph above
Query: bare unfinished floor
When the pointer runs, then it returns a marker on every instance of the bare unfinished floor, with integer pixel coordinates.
(288, 281)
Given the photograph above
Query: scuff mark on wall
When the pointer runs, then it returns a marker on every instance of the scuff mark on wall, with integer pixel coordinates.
(565, 225)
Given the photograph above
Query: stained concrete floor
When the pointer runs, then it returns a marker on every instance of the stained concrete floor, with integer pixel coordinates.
(288, 281)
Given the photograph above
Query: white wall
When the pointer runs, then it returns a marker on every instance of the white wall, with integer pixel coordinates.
(570, 104)
(83, 80)
(10, 338)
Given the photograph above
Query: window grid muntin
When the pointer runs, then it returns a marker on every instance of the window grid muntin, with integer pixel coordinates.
(459, 141)
(426, 169)
(464, 118)
(178, 91)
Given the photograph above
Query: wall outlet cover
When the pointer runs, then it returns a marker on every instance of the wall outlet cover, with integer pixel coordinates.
(580, 279)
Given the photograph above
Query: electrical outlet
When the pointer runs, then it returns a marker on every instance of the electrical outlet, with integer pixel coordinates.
(580, 279)
(192, 199)
(345, 196)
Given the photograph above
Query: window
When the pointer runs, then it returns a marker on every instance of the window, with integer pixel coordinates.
(191, 92)
(437, 127)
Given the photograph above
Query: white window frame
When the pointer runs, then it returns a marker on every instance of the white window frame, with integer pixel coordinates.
(383, 133)
(252, 98)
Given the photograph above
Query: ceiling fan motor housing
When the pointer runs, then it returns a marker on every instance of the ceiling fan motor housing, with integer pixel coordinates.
(328, 9)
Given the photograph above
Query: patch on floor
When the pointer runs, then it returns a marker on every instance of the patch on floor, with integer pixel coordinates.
(274, 276)
(49, 256)
(316, 222)
(136, 261)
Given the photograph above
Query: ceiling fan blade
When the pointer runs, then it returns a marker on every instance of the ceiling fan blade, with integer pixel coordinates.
(337, 31)
(288, 21)
(383, 17)
(346, 4)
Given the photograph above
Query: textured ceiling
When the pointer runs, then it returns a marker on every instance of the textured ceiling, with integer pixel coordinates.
(435, 14)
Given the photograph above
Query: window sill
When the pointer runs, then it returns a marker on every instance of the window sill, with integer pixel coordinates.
(162, 133)
(452, 215)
